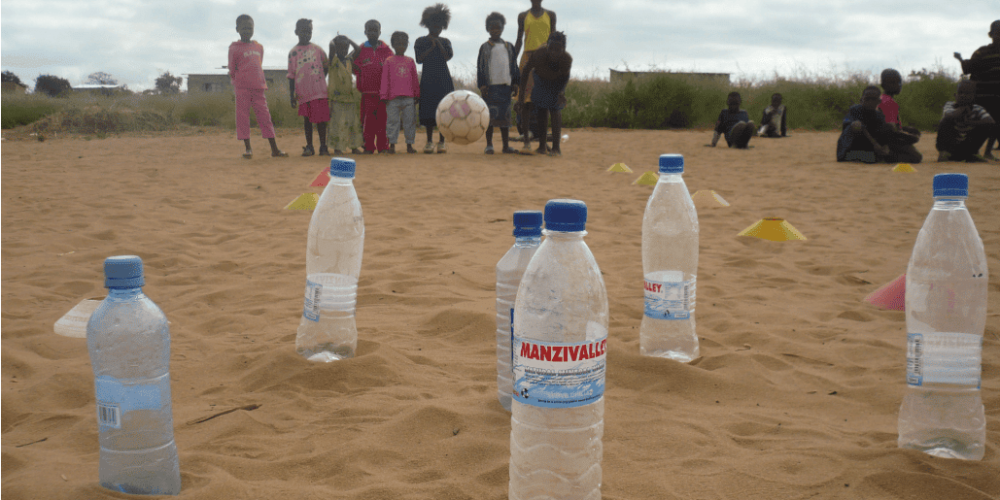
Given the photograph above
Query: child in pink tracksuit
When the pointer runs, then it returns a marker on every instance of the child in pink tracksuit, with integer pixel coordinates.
(400, 90)
(247, 76)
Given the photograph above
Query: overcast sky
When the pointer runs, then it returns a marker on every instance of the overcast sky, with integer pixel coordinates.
(137, 40)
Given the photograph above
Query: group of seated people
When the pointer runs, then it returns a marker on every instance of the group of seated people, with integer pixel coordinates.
(872, 131)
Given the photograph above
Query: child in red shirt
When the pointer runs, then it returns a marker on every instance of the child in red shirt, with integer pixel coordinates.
(901, 144)
(247, 77)
(368, 68)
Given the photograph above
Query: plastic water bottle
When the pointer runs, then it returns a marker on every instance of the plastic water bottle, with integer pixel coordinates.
(129, 343)
(327, 331)
(669, 267)
(510, 269)
(560, 339)
(942, 411)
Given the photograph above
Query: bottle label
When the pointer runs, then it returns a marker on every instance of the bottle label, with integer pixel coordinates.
(669, 299)
(114, 399)
(944, 358)
(314, 294)
(559, 375)
(329, 292)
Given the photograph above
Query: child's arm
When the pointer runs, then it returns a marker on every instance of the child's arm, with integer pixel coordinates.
(520, 34)
(232, 66)
(515, 73)
(525, 74)
(446, 48)
(482, 77)
(784, 118)
(291, 78)
(383, 92)
(552, 21)
(326, 61)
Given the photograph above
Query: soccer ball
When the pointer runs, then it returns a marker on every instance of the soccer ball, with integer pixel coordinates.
(462, 117)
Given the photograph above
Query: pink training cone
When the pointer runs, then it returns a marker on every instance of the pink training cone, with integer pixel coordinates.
(322, 179)
(891, 296)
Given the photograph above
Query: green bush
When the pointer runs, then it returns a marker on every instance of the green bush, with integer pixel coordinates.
(25, 109)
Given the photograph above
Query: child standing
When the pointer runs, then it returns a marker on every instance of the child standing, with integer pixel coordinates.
(900, 143)
(399, 90)
(307, 66)
(533, 27)
(551, 65)
(497, 77)
(984, 69)
(773, 123)
(345, 99)
(734, 123)
(368, 67)
(247, 77)
(434, 52)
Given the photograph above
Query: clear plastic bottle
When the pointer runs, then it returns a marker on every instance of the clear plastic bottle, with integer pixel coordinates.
(510, 269)
(560, 340)
(670, 267)
(327, 331)
(946, 288)
(129, 343)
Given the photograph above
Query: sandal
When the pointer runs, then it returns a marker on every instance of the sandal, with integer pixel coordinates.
(280, 154)
(308, 151)
(489, 150)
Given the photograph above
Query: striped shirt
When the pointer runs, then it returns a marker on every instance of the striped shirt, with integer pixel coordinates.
(976, 113)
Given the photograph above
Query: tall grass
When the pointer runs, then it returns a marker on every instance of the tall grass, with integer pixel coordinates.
(654, 102)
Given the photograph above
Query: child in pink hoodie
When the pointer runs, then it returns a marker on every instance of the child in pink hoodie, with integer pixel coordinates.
(400, 90)
(247, 77)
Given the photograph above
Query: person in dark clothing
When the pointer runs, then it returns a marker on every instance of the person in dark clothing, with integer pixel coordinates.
(984, 69)
(964, 126)
(734, 123)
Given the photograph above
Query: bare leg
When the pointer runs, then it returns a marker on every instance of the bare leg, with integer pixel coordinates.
(556, 132)
(308, 126)
(543, 125)
(489, 136)
(321, 128)
(274, 148)
(505, 136)
(249, 152)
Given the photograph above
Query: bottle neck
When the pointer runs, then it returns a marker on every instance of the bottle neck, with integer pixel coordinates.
(341, 181)
(124, 293)
(665, 177)
(560, 236)
(949, 203)
(527, 241)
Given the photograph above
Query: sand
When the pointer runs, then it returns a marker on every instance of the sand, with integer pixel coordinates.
(795, 395)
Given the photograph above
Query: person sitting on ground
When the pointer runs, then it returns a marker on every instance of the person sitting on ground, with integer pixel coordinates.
(964, 126)
(984, 69)
(734, 123)
(864, 132)
(901, 145)
(773, 123)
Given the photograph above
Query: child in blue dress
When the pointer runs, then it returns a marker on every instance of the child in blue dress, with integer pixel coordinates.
(434, 52)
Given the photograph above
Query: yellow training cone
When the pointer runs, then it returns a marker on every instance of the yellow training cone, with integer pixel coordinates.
(306, 201)
(620, 167)
(708, 198)
(773, 229)
(647, 179)
(904, 167)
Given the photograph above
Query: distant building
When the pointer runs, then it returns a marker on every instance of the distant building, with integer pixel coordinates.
(621, 76)
(14, 88)
(219, 82)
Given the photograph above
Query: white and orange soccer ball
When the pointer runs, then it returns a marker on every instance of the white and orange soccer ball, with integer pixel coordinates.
(462, 117)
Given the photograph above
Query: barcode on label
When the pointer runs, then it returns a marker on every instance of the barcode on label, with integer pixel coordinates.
(914, 359)
(109, 415)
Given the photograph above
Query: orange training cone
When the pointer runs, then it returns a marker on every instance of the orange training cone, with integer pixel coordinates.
(891, 296)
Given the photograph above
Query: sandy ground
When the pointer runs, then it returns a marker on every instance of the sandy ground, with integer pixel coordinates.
(795, 395)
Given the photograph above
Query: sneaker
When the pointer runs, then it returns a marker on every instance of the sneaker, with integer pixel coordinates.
(429, 148)
(489, 150)
(442, 148)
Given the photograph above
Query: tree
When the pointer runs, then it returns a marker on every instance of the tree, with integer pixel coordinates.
(169, 84)
(52, 85)
(9, 76)
(101, 78)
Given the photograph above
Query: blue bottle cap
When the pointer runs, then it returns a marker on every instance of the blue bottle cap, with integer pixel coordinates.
(951, 185)
(565, 215)
(342, 167)
(671, 164)
(527, 223)
(123, 271)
